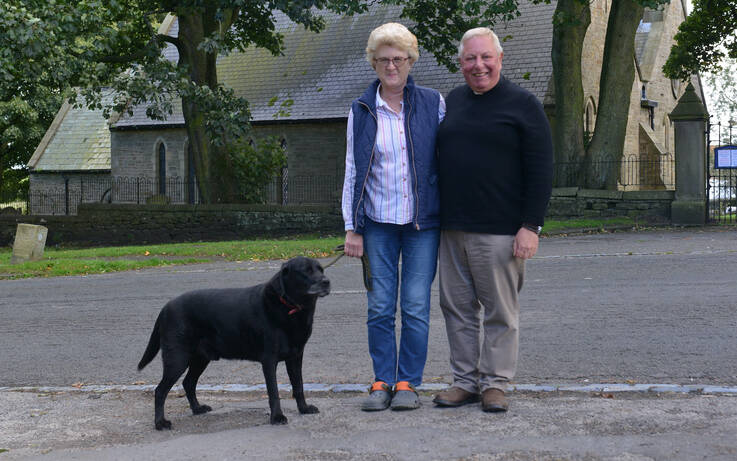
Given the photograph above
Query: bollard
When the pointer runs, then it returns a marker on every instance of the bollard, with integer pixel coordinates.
(29, 243)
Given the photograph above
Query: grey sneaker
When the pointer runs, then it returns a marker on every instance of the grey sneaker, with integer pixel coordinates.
(379, 397)
(405, 397)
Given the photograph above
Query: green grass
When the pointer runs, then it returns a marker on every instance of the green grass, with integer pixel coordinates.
(59, 262)
(75, 261)
(552, 226)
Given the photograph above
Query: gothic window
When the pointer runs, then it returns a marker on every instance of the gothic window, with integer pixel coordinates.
(162, 168)
(651, 117)
(589, 120)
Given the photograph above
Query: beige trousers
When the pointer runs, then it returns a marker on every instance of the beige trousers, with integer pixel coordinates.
(480, 280)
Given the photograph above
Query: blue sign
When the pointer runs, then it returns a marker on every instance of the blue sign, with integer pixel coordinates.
(725, 157)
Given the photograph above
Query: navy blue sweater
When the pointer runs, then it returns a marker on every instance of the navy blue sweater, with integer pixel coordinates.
(495, 155)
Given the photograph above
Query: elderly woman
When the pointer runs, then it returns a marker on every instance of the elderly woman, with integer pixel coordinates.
(390, 209)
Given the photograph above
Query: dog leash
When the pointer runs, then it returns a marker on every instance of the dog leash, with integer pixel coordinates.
(364, 264)
(340, 248)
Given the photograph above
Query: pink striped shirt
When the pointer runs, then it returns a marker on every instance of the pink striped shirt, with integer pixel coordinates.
(389, 197)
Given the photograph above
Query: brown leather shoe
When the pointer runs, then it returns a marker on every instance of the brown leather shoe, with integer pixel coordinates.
(455, 397)
(493, 400)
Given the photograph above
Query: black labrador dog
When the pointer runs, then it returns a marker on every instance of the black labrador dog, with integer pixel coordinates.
(266, 323)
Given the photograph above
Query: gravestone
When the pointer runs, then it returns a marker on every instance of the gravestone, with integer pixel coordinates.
(30, 240)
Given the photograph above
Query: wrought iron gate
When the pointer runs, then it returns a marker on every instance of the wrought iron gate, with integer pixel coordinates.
(721, 171)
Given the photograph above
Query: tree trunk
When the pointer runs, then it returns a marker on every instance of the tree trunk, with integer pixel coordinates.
(211, 161)
(604, 154)
(572, 18)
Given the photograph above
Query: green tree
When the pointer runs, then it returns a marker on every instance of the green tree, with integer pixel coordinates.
(23, 122)
(570, 23)
(706, 42)
(721, 89)
(704, 39)
(721, 98)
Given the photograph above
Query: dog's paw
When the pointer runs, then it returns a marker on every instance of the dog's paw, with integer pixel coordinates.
(163, 424)
(309, 410)
(278, 419)
(201, 409)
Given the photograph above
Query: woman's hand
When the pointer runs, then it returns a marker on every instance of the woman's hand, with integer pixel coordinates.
(353, 244)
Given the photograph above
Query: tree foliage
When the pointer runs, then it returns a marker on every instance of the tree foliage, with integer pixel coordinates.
(704, 39)
(722, 90)
(255, 163)
(23, 122)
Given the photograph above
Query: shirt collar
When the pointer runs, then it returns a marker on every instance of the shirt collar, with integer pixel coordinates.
(381, 103)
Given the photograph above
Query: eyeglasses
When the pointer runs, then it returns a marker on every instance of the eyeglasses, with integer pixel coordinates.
(397, 61)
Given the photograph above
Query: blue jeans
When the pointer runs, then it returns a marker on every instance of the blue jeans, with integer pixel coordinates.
(384, 243)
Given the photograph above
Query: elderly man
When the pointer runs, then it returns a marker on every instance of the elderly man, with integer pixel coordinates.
(495, 161)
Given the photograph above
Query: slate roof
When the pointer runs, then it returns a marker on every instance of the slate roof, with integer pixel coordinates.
(641, 36)
(77, 140)
(322, 73)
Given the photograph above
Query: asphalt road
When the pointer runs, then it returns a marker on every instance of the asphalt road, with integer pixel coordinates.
(655, 307)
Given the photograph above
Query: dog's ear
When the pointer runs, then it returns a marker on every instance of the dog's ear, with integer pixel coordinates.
(285, 269)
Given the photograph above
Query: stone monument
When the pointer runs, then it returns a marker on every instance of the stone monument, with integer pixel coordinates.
(29, 243)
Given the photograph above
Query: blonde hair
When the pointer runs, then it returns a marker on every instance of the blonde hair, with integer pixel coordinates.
(480, 32)
(395, 35)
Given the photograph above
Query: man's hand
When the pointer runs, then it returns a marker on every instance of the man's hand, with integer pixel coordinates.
(353, 244)
(525, 243)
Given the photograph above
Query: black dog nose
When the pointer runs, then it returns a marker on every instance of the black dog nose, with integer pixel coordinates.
(325, 283)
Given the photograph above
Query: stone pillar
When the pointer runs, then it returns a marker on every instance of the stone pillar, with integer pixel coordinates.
(689, 118)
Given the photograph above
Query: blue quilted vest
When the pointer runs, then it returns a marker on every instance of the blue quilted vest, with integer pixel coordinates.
(421, 126)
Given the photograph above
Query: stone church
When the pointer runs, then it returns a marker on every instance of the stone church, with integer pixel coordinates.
(303, 97)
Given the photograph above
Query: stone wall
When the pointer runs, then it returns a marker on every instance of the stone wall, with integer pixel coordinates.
(313, 148)
(316, 148)
(572, 202)
(105, 224)
(135, 153)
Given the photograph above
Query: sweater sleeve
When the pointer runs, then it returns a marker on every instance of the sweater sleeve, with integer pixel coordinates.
(537, 163)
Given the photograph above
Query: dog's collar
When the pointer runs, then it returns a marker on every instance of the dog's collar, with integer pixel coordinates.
(294, 308)
(284, 299)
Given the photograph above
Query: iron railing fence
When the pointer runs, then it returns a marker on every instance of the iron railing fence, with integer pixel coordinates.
(12, 202)
(65, 199)
(634, 174)
(721, 185)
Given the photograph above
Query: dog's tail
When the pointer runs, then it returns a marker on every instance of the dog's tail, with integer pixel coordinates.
(154, 344)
